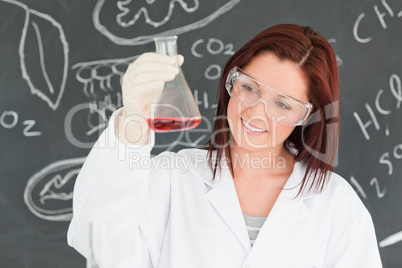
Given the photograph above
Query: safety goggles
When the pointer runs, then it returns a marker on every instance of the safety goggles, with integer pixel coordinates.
(279, 106)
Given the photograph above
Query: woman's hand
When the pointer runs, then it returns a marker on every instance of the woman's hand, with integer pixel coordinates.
(143, 83)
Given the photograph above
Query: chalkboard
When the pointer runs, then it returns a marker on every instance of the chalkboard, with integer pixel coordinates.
(62, 61)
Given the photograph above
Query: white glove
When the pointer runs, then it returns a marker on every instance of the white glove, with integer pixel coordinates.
(143, 83)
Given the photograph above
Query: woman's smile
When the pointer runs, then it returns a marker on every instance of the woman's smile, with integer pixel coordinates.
(252, 130)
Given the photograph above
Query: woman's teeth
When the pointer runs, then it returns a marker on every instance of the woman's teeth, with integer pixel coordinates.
(252, 128)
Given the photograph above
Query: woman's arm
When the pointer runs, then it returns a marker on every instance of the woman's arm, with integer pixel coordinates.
(356, 246)
(115, 185)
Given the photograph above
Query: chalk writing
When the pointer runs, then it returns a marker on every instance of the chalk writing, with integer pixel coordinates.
(386, 12)
(386, 160)
(204, 101)
(385, 157)
(27, 130)
(13, 119)
(129, 16)
(380, 193)
(396, 92)
(9, 120)
(213, 47)
(384, 104)
(213, 72)
(54, 87)
(48, 193)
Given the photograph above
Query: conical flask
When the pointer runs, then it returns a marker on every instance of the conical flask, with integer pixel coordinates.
(176, 109)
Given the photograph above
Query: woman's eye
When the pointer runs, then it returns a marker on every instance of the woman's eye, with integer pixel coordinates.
(283, 105)
(249, 89)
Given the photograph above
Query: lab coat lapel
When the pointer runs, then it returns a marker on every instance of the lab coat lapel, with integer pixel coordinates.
(224, 198)
(285, 213)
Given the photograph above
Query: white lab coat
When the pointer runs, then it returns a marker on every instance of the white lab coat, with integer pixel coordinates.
(168, 215)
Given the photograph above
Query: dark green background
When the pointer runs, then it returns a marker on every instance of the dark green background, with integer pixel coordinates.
(27, 240)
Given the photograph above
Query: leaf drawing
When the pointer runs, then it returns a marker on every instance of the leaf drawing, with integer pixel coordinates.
(37, 56)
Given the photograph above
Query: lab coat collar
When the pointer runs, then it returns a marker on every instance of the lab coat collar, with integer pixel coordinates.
(286, 212)
(223, 198)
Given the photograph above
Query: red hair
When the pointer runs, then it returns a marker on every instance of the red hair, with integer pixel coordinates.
(317, 141)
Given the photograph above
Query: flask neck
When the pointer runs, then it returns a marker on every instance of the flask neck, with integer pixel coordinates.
(166, 45)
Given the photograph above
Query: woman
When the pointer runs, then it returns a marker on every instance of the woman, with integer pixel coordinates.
(260, 193)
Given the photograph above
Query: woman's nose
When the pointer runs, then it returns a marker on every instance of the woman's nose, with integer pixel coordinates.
(259, 108)
(258, 115)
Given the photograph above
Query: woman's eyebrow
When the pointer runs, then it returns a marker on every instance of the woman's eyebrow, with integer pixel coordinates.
(256, 82)
(281, 96)
(272, 89)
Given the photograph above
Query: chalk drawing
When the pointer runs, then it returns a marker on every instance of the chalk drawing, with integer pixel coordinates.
(101, 71)
(102, 80)
(124, 9)
(48, 193)
(390, 240)
(101, 88)
(53, 91)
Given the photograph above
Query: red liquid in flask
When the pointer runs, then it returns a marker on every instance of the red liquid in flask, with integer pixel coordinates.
(172, 124)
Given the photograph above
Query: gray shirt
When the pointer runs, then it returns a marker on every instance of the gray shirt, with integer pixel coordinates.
(254, 225)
